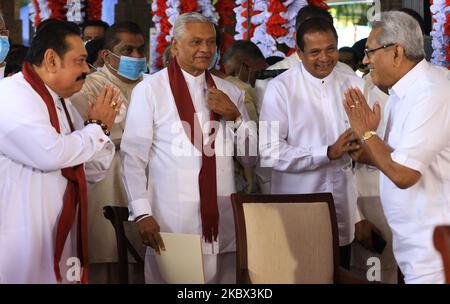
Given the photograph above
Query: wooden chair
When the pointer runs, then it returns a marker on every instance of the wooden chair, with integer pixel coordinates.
(441, 237)
(117, 216)
(287, 239)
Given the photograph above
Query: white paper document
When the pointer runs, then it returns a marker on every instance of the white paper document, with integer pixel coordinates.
(182, 262)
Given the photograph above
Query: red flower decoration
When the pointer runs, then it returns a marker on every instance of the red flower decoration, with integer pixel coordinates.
(37, 18)
(319, 3)
(94, 9)
(275, 23)
(187, 6)
(58, 8)
(225, 10)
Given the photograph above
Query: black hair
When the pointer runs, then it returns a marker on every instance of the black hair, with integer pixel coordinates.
(271, 60)
(310, 11)
(93, 47)
(313, 25)
(111, 35)
(243, 48)
(351, 50)
(97, 23)
(359, 48)
(15, 59)
(51, 34)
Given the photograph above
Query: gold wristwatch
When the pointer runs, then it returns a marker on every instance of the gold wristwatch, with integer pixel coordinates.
(367, 135)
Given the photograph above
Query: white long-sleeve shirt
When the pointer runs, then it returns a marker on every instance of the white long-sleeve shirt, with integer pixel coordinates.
(309, 115)
(32, 187)
(417, 129)
(160, 167)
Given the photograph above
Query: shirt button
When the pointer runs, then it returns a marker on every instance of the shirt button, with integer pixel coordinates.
(101, 140)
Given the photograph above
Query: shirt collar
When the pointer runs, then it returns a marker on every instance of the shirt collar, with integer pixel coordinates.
(317, 81)
(401, 88)
(196, 80)
(55, 96)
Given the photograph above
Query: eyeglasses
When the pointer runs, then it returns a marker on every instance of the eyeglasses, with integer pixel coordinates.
(367, 51)
(4, 32)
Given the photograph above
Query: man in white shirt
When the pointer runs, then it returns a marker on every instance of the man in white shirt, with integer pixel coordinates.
(173, 181)
(46, 156)
(310, 152)
(263, 175)
(305, 13)
(414, 152)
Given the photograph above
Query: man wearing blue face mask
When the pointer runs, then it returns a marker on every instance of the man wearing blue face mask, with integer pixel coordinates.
(125, 64)
(4, 46)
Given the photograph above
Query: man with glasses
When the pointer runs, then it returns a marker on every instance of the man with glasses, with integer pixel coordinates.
(125, 64)
(413, 154)
(314, 136)
(4, 46)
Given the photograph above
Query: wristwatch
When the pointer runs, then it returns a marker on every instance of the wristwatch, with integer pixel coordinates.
(367, 135)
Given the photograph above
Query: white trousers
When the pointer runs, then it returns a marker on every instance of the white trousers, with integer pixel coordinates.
(219, 269)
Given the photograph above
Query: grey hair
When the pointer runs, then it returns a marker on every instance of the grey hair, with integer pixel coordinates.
(400, 28)
(180, 25)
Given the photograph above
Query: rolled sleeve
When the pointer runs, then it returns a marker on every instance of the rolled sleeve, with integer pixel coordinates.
(407, 161)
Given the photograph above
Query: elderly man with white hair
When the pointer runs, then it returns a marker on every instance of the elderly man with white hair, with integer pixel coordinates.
(413, 154)
(172, 189)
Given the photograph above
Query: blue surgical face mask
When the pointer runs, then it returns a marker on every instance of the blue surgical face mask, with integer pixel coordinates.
(214, 61)
(4, 47)
(131, 68)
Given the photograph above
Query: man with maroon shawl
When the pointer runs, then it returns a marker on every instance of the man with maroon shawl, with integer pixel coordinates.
(176, 179)
(47, 153)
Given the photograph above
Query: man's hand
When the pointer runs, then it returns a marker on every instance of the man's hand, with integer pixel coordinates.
(363, 234)
(346, 143)
(361, 117)
(149, 231)
(221, 104)
(106, 107)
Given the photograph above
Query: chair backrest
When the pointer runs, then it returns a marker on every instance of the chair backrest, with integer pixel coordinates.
(441, 238)
(117, 216)
(286, 238)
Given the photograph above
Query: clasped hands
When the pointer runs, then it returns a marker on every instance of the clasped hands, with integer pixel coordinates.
(106, 106)
(362, 119)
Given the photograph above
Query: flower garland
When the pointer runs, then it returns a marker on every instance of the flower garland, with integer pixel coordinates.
(293, 7)
(39, 11)
(94, 9)
(72, 10)
(224, 9)
(58, 8)
(440, 10)
(261, 37)
(241, 19)
(165, 14)
(75, 11)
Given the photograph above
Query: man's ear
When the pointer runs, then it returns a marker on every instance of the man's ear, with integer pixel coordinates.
(399, 55)
(105, 55)
(51, 61)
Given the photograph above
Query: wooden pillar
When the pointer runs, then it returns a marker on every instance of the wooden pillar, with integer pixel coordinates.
(11, 14)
